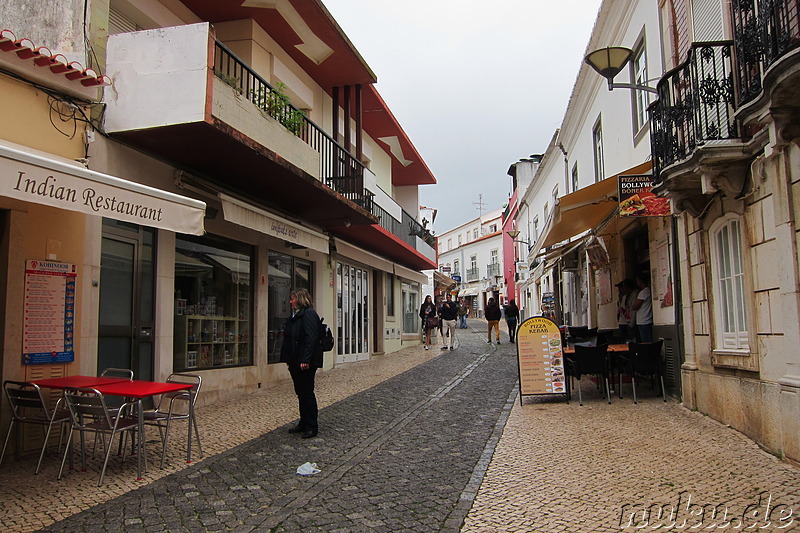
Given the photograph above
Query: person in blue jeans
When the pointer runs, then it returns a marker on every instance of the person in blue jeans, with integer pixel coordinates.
(463, 311)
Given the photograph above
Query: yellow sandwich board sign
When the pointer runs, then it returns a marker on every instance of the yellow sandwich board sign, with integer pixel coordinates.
(540, 357)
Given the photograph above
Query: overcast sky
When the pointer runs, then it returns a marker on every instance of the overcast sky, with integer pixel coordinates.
(476, 85)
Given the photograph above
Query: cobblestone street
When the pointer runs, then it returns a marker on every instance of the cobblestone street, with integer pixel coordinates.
(430, 441)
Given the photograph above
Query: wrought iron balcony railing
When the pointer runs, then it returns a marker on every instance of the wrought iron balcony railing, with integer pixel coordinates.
(339, 170)
(407, 229)
(695, 104)
(764, 31)
(493, 269)
(473, 274)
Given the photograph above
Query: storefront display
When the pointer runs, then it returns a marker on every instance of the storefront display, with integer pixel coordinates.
(213, 303)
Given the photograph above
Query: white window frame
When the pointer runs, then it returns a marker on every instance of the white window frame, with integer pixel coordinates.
(640, 99)
(597, 146)
(731, 320)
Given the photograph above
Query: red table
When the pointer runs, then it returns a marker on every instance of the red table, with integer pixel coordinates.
(139, 390)
(76, 382)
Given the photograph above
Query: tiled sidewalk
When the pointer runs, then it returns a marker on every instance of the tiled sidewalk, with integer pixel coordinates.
(29, 502)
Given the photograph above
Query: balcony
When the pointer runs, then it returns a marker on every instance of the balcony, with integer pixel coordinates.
(493, 269)
(767, 38)
(695, 139)
(186, 98)
(473, 274)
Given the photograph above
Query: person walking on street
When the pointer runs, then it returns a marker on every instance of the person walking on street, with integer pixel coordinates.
(448, 313)
(462, 312)
(302, 352)
(512, 317)
(493, 316)
(427, 311)
(643, 305)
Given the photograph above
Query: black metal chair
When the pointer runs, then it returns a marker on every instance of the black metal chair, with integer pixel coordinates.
(643, 359)
(29, 406)
(591, 360)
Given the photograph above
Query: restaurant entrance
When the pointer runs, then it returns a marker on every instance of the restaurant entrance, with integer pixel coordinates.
(125, 322)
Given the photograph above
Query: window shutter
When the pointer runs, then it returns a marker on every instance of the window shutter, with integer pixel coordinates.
(707, 20)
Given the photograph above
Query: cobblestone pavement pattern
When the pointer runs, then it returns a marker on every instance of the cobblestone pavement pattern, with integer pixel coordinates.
(442, 446)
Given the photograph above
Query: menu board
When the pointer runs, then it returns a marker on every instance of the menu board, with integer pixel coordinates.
(49, 313)
(540, 357)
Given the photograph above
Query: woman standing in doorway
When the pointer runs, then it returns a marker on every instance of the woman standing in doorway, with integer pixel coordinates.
(302, 352)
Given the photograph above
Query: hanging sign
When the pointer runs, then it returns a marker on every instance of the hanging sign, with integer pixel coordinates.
(49, 312)
(540, 358)
(637, 199)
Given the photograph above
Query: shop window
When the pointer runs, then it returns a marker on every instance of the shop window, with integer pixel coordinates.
(286, 273)
(730, 309)
(213, 303)
(352, 325)
(411, 304)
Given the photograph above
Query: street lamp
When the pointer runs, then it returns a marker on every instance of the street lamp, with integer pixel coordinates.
(609, 61)
(513, 233)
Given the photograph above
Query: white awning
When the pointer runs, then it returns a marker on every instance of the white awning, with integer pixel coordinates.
(360, 255)
(33, 177)
(470, 291)
(250, 216)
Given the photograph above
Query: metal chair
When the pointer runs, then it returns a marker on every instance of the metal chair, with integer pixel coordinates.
(643, 359)
(28, 406)
(592, 360)
(114, 403)
(89, 413)
(176, 406)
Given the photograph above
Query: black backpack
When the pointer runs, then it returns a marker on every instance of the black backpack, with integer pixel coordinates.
(325, 336)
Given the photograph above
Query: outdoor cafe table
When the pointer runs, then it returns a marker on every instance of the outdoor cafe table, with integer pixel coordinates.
(76, 382)
(139, 390)
(612, 350)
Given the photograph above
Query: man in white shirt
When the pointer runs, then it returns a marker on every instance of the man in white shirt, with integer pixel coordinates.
(643, 305)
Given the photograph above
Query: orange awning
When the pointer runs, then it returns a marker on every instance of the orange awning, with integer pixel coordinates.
(584, 209)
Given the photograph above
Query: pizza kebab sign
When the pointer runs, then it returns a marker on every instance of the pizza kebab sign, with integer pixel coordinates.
(637, 199)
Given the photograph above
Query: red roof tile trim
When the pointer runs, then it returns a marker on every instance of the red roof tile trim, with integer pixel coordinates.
(43, 57)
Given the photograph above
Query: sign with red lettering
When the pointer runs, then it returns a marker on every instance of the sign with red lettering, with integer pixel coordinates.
(540, 357)
(48, 324)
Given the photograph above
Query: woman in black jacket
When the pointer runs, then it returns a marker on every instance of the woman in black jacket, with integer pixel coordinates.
(302, 352)
(427, 310)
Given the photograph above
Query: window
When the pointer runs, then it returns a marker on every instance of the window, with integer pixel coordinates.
(641, 99)
(411, 305)
(546, 210)
(535, 228)
(473, 261)
(575, 177)
(475, 233)
(389, 294)
(456, 267)
(449, 244)
(493, 228)
(555, 194)
(494, 257)
(729, 289)
(459, 240)
(597, 141)
(213, 304)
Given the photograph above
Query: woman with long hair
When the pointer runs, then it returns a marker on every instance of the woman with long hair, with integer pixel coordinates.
(301, 350)
(427, 310)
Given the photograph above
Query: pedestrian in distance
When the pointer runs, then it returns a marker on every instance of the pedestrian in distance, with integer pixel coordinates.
(302, 351)
(427, 311)
(512, 317)
(448, 313)
(493, 316)
(462, 312)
